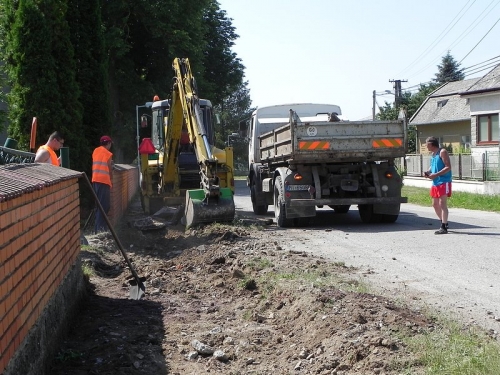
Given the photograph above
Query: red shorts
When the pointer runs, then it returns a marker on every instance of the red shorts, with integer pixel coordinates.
(441, 190)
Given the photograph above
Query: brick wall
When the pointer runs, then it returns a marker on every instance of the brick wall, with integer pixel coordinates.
(39, 243)
(40, 274)
(125, 186)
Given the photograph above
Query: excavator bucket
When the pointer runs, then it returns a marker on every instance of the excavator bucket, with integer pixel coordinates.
(199, 211)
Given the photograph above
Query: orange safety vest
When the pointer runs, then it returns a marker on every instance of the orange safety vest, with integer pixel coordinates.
(185, 138)
(100, 167)
(52, 153)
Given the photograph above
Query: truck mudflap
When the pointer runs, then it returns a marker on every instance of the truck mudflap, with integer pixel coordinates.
(293, 212)
(345, 201)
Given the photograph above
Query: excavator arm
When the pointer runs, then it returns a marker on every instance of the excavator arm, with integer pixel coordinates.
(214, 200)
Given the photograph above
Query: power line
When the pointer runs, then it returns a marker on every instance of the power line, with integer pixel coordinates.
(480, 70)
(483, 62)
(468, 71)
(474, 23)
(439, 39)
(483, 69)
(458, 39)
(479, 41)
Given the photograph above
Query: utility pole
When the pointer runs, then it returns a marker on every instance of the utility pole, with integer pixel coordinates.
(373, 108)
(397, 91)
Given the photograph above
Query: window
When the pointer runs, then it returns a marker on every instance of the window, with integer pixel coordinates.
(442, 103)
(487, 129)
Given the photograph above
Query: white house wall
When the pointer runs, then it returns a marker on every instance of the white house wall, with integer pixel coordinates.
(484, 104)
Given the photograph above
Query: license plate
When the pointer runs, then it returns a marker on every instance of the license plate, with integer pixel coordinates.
(296, 187)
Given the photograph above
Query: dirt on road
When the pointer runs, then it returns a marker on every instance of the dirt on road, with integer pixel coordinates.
(227, 299)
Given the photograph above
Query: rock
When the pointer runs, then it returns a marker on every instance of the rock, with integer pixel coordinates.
(192, 356)
(361, 319)
(298, 365)
(387, 343)
(238, 274)
(220, 355)
(303, 354)
(202, 348)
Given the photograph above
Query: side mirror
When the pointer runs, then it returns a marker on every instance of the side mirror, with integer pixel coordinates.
(243, 128)
(144, 121)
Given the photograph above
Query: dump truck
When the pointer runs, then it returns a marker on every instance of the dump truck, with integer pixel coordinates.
(195, 175)
(304, 156)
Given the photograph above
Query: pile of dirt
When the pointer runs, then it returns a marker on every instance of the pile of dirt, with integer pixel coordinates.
(229, 300)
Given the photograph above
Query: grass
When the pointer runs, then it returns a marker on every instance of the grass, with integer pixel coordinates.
(87, 270)
(448, 348)
(277, 282)
(458, 199)
(258, 264)
(452, 350)
(68, 355)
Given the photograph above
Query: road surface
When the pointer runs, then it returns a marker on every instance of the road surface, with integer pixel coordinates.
(456, 273)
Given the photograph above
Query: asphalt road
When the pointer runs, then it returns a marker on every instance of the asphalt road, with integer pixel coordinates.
(456, 273)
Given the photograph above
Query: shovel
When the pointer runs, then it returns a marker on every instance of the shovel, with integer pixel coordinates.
(137, 288)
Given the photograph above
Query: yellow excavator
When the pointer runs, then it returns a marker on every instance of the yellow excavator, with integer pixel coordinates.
(179, 164)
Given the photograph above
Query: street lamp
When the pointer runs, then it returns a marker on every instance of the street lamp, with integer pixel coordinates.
(146, 105)
(375, 93)
(229, 136)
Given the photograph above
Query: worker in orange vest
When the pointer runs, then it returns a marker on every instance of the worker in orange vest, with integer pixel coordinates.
(47, 152)
(185, 140)
(102, 177)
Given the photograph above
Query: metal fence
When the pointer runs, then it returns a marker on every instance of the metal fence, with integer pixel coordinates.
(477, 167)
(9, 155)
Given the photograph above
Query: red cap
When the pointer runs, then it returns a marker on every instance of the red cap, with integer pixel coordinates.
(105, 139)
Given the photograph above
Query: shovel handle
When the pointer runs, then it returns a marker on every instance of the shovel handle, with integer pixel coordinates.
(137, 278)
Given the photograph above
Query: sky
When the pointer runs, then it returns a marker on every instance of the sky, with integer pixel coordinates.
(339, 52)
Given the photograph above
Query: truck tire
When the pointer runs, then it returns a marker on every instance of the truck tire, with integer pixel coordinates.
(341, 209)
(279, 205)
(367, 215)
(389, 218)
(257, 209)
(303, 221)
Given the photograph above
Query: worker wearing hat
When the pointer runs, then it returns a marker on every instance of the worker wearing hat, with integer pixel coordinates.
(102, 177)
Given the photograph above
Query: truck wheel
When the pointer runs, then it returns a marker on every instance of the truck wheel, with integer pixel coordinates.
(257, 209)
(367, 215)
(389, 218)
(303, 221)
(341, 209)
(279, 205)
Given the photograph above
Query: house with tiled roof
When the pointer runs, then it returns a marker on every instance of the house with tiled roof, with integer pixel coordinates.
(445, 114)
(483, 99)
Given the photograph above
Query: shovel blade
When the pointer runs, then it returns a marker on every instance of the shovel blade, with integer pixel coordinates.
(136, 288)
